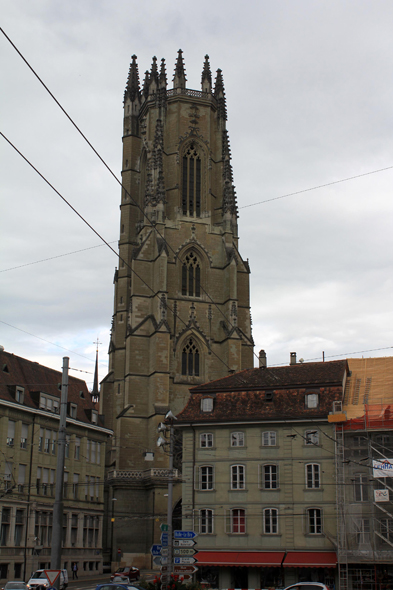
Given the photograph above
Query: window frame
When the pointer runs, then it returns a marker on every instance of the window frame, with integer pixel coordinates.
(314, 477)
(272, 520)
(207, 404)
(206, 521)
(311, 438)
(309, 404)
(269, 477)
(314, 521)
(238, 477)
(268, 434)
(206, 478)
(235, 521)
(237, 439)
(209, 438)
(361, 487)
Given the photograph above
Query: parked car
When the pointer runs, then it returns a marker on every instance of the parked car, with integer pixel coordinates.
(16, 586)
(38, 578)
(126, 574)
(307, 586)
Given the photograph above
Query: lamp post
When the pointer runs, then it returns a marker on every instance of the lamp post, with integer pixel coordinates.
(112, 525)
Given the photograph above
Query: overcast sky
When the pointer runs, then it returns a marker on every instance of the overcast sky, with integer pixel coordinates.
(309, 88)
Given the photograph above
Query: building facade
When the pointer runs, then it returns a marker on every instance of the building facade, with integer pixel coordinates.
(181, 301)
(259, 475)
(365, 476)
(29, 423)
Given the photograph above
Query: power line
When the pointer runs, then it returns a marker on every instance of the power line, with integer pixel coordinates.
(54, 257)
(313, 188)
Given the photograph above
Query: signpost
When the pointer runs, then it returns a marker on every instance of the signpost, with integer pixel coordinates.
(184, 560)
(185, 569)
(164, 527)
(184, 535)
(156, 549)
(52, 575)
(164, 539)
(183, 543)
(157, 560)
(182, 551)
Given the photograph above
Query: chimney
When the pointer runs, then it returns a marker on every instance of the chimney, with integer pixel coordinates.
(262, 359)
(293, 358)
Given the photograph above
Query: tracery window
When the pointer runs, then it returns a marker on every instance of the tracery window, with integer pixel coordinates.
(191, 276)
(190, 359)
(191, 185)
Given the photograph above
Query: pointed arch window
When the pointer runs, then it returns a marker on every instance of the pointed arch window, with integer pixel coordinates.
(191, 185)
(191, 276)
(190, 359)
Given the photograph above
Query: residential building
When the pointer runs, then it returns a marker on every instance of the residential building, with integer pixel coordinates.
(29, 423)
(365, 476)
(181, 298)
(259, 474)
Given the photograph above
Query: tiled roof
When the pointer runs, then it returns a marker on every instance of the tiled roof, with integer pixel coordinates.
(35, 378)
(242, 396)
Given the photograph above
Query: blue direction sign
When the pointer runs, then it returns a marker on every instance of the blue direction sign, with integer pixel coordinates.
(184, 534)
(184, 560)
(156, 549)
(164, 539)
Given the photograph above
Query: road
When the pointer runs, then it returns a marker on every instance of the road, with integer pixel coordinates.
(90, 582)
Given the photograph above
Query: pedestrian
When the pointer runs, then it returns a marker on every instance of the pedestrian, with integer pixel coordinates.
(74, 571)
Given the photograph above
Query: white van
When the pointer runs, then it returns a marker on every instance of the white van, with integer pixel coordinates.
(38, 578)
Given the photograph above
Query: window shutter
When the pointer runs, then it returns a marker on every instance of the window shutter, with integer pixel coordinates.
(196, 477)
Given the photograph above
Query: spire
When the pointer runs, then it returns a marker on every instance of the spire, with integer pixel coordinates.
(219, 94)
(229, 204)
(132, 88)
(153, 77)
(95, 394)
(206, 76)
(146, 84)
(179, 79)
(163, 79)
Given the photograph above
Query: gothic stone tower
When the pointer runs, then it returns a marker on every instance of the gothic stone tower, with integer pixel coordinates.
(181, 305)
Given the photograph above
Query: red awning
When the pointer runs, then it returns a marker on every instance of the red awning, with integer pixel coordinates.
(310, 559)
(246, 558)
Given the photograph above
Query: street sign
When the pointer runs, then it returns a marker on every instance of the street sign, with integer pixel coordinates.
(184, 551)
(164, 578)
(164, 551)
(157, 560)
(184, 560)
(184, 543)
(164, 539)
(184, 534)
(156, 549)
(52, 575)
(164, 568)
(164, 560)
(164, 527)
(185, 569)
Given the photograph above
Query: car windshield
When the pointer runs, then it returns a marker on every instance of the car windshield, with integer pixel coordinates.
(39, 574)
(120, 570)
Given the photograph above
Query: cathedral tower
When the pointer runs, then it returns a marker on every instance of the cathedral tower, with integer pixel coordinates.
(181, 304)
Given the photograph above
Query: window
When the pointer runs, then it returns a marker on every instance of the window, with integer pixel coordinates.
(98, 453)
(19, 520)
(361, 487)
(94, 417)
(386, 528)
(5, 525)
(11, 433)
(206, 521)
(191, 183)
(269, 438)
(312, 400)
(206, 440)
(20, 395)
(207, 404)
(238, 477)
(270, 477)
(90, 531)
(206, 477)
(74, 529)
(191, 276)
(8, 477)
(362, 530)
(41, 440)
(75, 484)
(21, 478)
(270, 521)
(314, 521)
(312, 476)
(237, 439)
(238, 521)
(87, 450)
(93, 451)
(53, 443)
(73, 410)
(190, 359)
(311, 437)
(23, 436)
(77, 447)
(45, 481)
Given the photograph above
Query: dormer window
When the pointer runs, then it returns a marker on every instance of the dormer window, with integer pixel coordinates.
(73, 410)
(49, 403)
(207, 404)
(20, 395)
(312, 400)
(94, 417)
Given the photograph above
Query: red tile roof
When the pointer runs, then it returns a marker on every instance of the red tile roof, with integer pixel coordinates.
(35, 378)
(242, 396)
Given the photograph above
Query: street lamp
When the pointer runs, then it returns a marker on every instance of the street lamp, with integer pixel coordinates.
(112, 523)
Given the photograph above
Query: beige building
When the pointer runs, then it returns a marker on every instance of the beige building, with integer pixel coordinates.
(181, 305)
(259, 475)
(29, 423)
